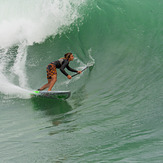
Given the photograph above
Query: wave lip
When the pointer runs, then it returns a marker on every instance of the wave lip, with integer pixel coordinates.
(37, 21)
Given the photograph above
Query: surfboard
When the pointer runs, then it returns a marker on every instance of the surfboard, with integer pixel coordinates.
(52, 94)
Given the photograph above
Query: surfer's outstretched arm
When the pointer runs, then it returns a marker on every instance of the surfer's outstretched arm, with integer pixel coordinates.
(66, 65)
(62, 69)
(71, 69)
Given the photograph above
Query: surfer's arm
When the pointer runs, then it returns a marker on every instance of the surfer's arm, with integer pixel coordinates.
(71, 69)
(66, 64)
(63, 67)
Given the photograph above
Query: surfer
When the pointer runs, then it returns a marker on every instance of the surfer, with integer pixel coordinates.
(61, 64)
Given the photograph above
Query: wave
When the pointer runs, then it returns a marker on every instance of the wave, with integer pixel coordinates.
(27, 23)
(123, 39)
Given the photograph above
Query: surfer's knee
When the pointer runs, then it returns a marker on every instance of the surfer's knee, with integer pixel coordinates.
(54, 78)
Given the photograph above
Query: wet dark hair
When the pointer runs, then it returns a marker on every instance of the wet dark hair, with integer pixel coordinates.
(67, 55)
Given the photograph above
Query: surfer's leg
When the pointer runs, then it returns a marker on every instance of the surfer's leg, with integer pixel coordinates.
(53, 80)
(51, 76)
(46, 85)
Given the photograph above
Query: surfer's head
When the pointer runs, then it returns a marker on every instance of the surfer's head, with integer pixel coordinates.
(69, 56)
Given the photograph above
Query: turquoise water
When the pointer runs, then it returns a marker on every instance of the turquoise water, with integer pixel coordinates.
(115, 111)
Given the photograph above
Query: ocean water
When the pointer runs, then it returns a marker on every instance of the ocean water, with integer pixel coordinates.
(115, 112)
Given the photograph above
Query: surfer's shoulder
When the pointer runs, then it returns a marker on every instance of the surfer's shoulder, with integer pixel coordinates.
(63, 60)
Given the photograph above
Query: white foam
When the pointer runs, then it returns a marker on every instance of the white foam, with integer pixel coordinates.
(19, 65)
(9, 89)
(35, 20)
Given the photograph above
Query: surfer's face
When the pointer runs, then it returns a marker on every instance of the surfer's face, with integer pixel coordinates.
(71, 57)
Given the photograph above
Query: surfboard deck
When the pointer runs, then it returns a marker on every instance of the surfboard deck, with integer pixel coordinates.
(52, 94)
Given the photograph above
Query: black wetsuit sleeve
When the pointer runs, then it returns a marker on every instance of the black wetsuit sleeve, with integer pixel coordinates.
(66, 65)
(70, 69)
(63, 67)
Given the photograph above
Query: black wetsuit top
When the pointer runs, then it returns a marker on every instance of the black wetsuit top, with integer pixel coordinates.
(62, 64)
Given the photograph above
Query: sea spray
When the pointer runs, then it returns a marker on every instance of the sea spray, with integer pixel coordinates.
(18, 68)
(34, 21)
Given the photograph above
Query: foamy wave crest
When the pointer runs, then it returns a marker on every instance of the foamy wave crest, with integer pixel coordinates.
(34, 21)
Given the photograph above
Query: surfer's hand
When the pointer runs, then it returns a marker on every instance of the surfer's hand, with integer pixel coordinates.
(69, 77)
(79, 72)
